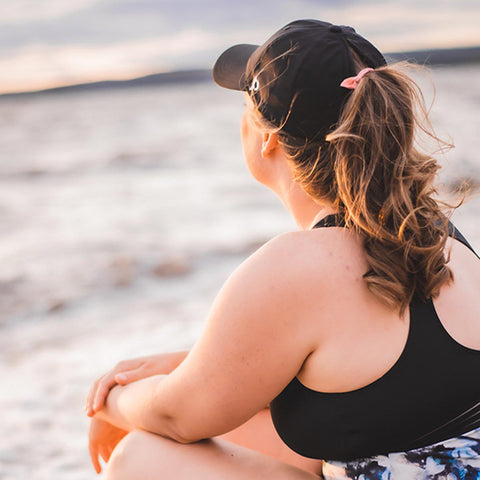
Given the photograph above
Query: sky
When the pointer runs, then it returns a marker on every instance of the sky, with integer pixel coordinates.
(47, 43)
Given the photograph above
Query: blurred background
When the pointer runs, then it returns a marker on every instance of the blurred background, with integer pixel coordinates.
(124, 200)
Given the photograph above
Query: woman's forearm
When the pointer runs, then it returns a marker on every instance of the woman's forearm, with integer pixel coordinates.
(128, 371)
(135, 406)
(173, 359)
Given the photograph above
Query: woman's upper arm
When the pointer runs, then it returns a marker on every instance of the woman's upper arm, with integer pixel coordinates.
(252, 346)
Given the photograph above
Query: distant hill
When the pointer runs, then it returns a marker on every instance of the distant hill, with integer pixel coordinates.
(445, 56)
(166, 78)
(424, 57)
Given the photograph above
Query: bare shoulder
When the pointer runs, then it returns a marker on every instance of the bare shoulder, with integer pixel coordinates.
(296, 256)
(288, 280)
(303, 277)
(465, 267)
(460, 253)
(458, 303)
(264, 323)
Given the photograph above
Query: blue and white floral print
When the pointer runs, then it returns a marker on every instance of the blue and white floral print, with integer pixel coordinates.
(454, 459)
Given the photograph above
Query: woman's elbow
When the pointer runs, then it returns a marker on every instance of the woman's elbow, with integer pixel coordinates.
(177, 429)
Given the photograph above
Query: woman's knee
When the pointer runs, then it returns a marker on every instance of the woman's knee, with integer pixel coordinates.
(128, 460)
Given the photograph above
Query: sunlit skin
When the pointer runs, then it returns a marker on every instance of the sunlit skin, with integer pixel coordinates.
(293, 308)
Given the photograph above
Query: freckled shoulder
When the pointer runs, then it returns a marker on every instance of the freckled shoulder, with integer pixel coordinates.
(303, 254)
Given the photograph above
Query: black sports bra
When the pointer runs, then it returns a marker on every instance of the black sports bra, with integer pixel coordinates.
(431, 393)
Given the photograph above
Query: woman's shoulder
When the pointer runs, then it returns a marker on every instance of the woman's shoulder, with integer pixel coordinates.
(293, 258)
(326, 247)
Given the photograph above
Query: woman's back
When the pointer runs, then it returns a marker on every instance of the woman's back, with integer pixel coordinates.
(359, 323)
(378, 382)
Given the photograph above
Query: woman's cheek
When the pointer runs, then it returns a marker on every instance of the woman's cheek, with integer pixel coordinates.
(252, 147)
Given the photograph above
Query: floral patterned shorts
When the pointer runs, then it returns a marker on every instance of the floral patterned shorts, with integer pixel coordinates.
(454, 459)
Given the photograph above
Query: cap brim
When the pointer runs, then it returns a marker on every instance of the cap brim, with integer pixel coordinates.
(229, 69)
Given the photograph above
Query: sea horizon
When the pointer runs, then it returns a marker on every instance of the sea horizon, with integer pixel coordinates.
(431, 58)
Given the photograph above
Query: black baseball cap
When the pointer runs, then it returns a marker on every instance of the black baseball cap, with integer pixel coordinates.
(294, 77)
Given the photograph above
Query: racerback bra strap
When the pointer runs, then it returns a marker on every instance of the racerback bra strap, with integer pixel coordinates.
(334, 220)
(338, 220)
(454, 233)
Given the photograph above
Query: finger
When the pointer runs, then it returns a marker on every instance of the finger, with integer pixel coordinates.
(91, 396)
(106, 380)
(99, 391)
(104, 387)
(94, 457)
(125, 378)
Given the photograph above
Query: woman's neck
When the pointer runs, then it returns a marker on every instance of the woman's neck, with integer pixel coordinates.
(305, 210)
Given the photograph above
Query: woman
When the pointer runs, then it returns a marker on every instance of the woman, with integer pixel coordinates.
(358, 335)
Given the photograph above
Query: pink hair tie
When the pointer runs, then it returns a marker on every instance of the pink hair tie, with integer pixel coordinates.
(352, 82)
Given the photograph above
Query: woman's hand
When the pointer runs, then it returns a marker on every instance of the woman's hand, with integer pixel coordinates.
(129, 371)
(103, 437)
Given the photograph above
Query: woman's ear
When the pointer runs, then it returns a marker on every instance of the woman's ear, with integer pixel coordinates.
(269, 144)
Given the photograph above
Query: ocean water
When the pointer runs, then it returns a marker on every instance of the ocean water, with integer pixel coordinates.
(122, 214)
